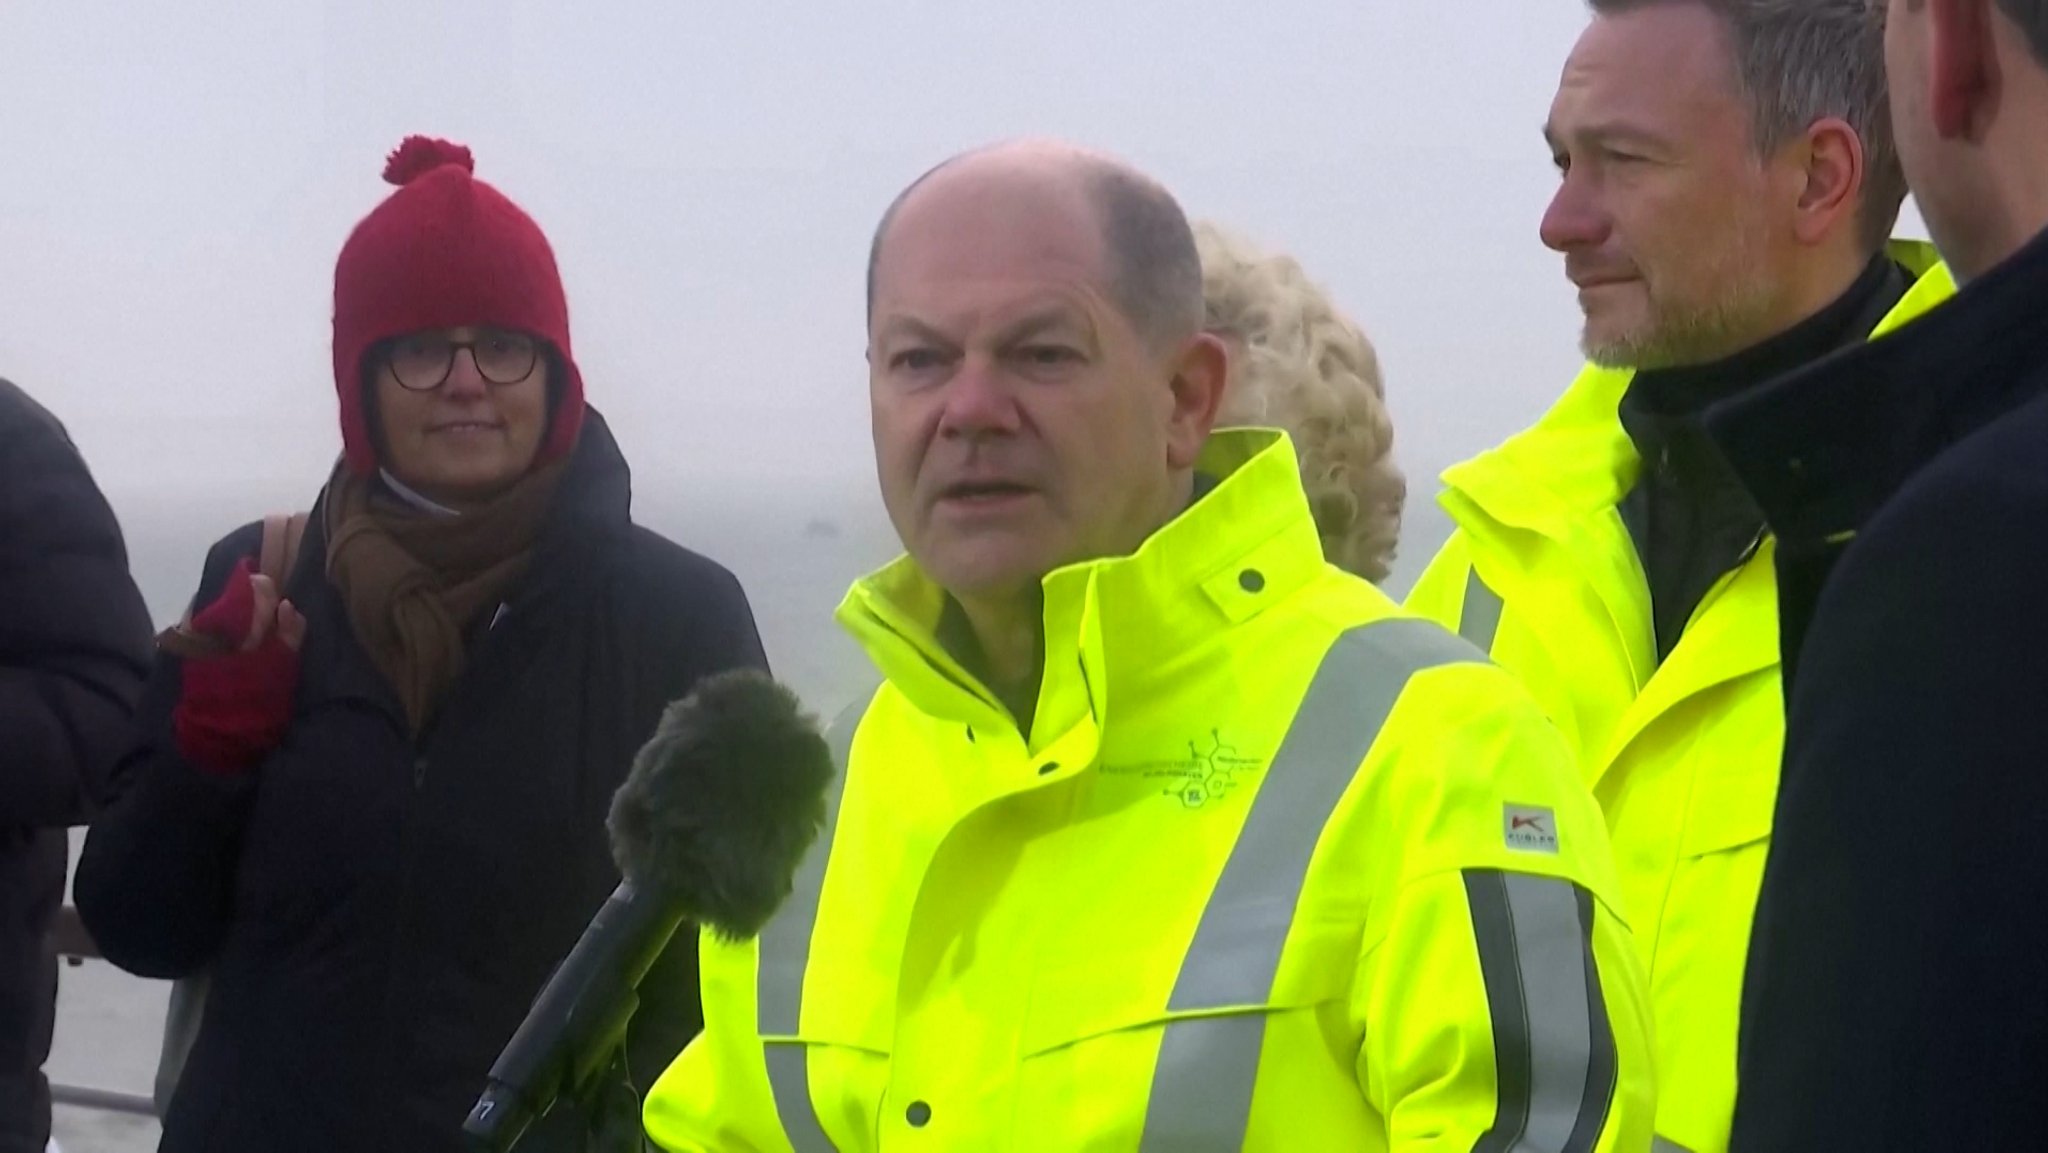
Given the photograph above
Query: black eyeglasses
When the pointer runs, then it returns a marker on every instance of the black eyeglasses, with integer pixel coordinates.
(421, 361)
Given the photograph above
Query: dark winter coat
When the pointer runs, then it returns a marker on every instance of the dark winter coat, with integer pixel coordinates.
(1897, 989)
(380, 911)
(74, 650)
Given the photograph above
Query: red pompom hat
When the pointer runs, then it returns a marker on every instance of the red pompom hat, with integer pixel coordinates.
(444, 251)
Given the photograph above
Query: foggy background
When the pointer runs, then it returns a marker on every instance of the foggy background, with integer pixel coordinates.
(177, 181)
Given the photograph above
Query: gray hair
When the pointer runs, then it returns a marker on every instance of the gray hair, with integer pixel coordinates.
(1799, 61)
(1154, 267)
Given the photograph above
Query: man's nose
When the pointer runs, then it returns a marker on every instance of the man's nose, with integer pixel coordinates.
(1575, 218)
(980, 400)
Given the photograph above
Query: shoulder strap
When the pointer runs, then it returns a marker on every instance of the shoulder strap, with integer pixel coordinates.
(274, 559)
(280, 551)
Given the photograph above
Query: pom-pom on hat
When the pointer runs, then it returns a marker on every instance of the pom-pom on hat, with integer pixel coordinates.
(444, 251)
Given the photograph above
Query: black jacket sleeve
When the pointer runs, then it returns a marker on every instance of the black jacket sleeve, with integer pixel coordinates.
(155, 880)
(1897, 993)
(710, 630)
(74, 632)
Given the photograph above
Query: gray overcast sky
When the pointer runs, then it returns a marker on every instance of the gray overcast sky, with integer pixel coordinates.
(179, 178)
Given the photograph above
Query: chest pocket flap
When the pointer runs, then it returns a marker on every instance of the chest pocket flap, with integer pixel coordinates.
(1151, 990)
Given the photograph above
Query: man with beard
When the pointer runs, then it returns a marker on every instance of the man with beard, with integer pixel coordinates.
(1727, 187)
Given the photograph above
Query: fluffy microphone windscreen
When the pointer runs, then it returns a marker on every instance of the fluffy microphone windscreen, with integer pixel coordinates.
(722, 803)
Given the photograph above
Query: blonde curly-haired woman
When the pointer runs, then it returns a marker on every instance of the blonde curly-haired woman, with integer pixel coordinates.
(1300, 365)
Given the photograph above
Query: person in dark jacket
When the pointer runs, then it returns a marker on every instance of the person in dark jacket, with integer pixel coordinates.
(378, 817)
(74, 651)
(1898, 980)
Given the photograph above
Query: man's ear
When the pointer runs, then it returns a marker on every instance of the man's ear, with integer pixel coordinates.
(1200, 374)
(1962, 74)
(1833, 167)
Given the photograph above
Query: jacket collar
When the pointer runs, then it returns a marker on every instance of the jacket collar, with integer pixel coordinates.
(1118, 625)
(594, 502)
(1578, 460)
(1663, 409)
(1824, 448)
(419, 501)
(1563, 479)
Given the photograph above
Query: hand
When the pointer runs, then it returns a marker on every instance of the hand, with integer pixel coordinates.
(248, 611)
(236, 706)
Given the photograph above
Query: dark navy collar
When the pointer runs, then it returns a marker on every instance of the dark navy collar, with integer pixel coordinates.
(1823, 448)
(1666, 404)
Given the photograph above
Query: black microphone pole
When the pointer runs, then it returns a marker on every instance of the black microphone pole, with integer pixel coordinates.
(612, 955)
(612, 1115)
(709, 827)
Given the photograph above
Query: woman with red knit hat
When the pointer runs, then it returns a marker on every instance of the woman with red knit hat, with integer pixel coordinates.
(368, 800)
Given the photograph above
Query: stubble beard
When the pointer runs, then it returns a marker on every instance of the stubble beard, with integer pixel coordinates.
(1692, 333)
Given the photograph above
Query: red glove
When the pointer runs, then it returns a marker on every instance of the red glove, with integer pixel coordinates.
(236, 706)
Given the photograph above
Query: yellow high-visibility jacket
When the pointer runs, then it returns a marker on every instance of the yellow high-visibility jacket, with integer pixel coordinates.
(1683, 757)
(1277, 868)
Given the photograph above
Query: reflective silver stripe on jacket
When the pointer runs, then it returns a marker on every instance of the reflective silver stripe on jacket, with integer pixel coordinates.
(785, 952)
(1202, 1087)
(1479, 620)
(1201, 1095)
(1553, 1045)
(1666, 1145)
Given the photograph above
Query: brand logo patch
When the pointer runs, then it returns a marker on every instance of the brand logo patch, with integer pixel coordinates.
(1530, 828)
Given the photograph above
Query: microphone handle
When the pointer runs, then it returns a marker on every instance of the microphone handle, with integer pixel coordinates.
(612, 1113)
(579, 1020)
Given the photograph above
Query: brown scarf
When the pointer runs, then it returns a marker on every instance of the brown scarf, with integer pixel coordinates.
(412, 582)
